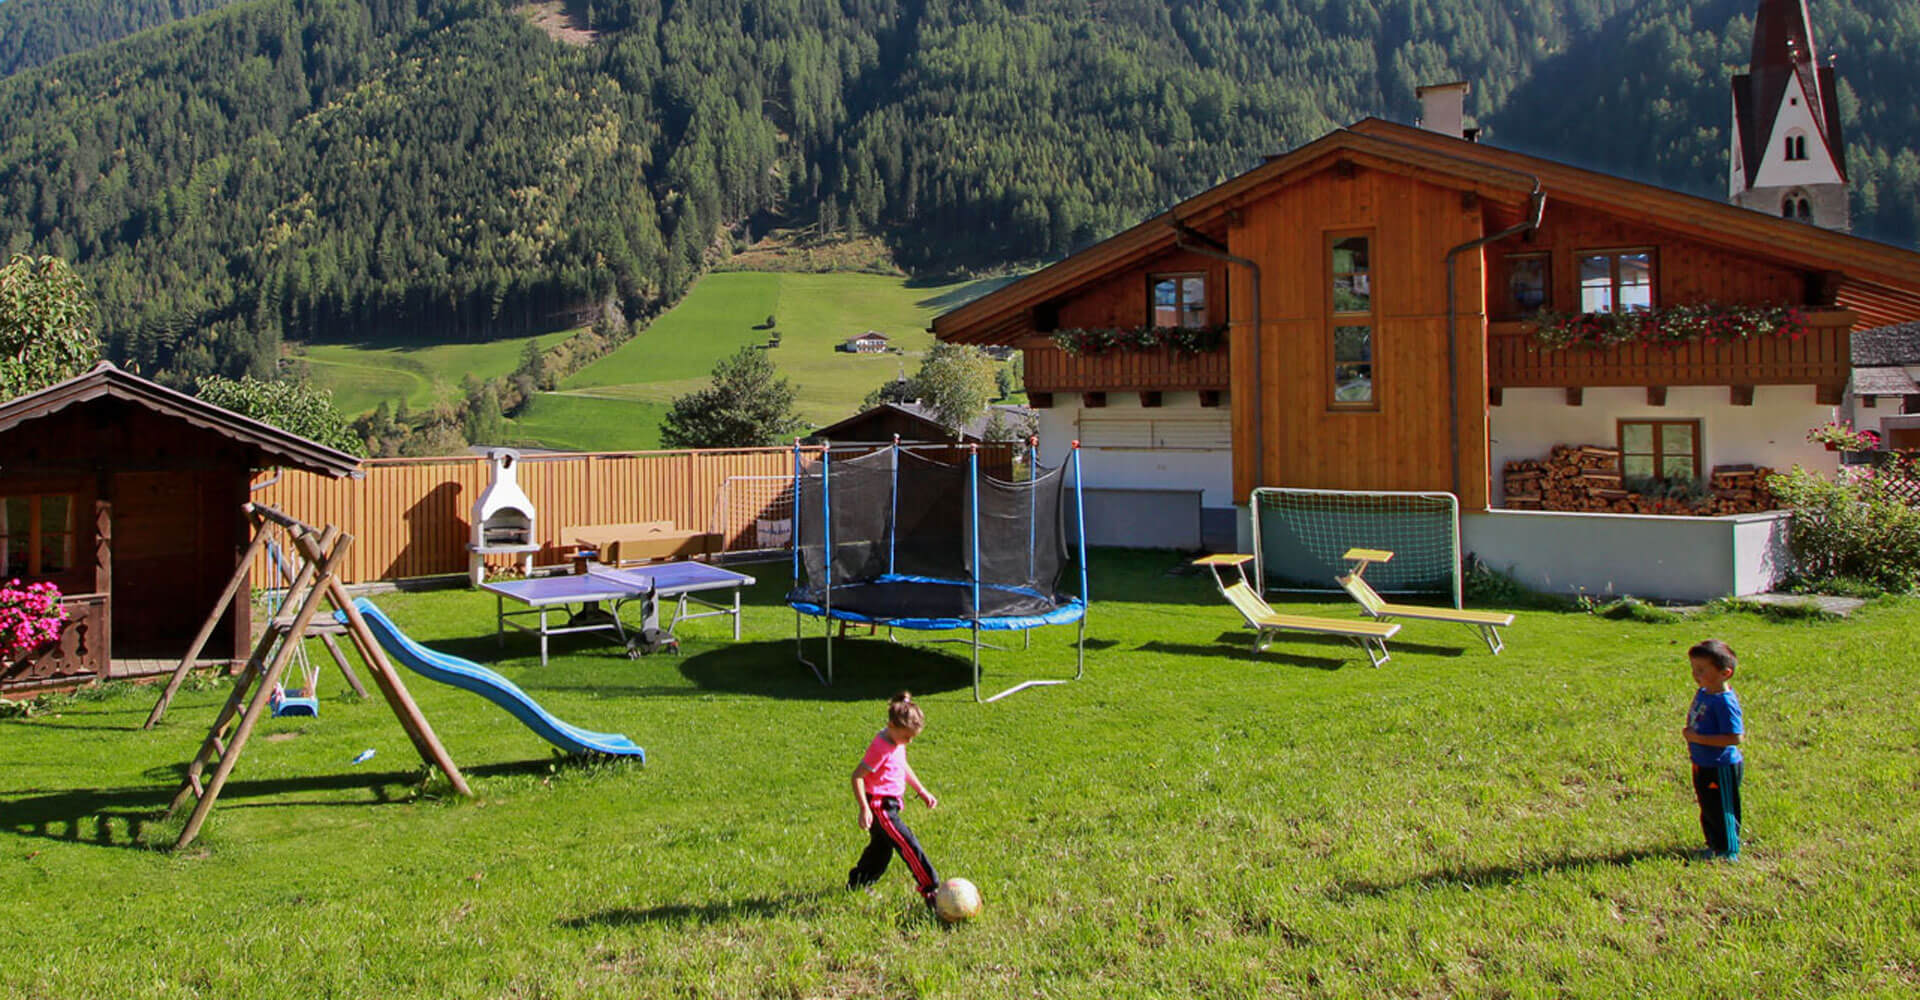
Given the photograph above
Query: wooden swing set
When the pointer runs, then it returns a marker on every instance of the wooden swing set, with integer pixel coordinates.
(319, 554)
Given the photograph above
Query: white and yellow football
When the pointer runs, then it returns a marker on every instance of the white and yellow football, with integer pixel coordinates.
(956, 900)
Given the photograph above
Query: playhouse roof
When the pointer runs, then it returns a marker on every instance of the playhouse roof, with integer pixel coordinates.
(270, 445)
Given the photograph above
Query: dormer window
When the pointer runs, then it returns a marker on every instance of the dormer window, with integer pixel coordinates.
(1796, 146)
(1178, 300)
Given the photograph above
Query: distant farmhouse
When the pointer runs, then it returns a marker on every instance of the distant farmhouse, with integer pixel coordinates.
(870, 342)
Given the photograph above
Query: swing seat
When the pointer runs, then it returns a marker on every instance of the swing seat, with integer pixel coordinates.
(295, 705)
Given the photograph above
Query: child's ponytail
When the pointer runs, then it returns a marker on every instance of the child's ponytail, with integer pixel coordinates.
(904, 712)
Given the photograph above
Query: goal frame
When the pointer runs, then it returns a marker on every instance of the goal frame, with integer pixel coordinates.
(1451, 501)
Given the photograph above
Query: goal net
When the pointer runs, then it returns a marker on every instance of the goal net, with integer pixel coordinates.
(1299, 537)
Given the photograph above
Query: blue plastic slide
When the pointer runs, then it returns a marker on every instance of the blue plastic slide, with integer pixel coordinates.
(470, 676)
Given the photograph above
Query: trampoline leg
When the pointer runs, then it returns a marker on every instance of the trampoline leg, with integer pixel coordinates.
(976, 662)
(800, 651)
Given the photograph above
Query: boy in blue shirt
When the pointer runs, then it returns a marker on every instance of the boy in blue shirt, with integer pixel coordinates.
(1713, 732)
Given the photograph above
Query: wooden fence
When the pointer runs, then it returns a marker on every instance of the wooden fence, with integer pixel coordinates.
(410, 516)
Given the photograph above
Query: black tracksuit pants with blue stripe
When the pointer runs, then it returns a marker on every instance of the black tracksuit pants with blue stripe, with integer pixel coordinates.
(1718, 789)
(888, 836)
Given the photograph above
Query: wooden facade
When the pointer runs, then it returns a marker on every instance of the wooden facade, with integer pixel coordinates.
(152, 483)
(1420, 199)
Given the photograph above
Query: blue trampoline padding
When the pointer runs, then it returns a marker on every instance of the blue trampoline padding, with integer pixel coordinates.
(1064, 614)
(470, 676)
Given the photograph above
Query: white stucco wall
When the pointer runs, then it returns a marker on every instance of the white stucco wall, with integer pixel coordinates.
(1771, 432)
(1210, 471)
(1611, 555)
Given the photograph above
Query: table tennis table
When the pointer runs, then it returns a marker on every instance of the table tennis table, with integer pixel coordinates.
(548, 595)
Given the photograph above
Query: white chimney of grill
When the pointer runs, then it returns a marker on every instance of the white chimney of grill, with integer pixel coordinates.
(1443, 107)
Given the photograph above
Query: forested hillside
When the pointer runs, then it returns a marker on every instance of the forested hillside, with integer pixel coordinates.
(33, 32)
(324, 169)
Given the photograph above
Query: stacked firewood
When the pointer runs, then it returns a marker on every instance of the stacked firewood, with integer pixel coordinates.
(1587, 478)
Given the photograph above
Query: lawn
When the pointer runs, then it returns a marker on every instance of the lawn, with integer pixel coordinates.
(362, 375)
(1188, 820)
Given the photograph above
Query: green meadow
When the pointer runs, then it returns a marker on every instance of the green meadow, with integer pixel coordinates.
(1190, 819)
(363, 375)
(726, 311)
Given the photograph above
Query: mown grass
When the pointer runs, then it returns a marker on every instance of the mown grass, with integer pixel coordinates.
(365, 374)
(585, 423)
(1189, 820)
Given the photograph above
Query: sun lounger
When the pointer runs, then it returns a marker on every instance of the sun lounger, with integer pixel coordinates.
(1371, 637)
(1486, 623)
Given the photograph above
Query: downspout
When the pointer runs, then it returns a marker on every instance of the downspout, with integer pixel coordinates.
(1536, 205)
(1194, 241)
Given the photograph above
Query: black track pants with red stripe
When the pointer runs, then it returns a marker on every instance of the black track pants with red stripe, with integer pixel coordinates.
(887, 836)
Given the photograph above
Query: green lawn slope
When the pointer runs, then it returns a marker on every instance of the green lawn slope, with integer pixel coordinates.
(362, 375)
(1189, 820)
(728, 311)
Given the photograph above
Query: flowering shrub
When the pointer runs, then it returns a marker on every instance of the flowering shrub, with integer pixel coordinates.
(1100, 340)
(1841, 435)
(30, 617)
(1668, 326)
(1856, 526)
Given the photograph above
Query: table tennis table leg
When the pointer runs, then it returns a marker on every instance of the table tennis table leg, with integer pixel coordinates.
(543, 636)
(736, 614)
(500, 620)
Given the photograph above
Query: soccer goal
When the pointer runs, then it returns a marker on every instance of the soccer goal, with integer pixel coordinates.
(1300, 535)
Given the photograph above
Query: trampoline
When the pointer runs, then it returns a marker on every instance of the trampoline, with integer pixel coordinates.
(897, 539)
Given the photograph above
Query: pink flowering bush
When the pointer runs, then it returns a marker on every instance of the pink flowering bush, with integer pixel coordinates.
(30, 617)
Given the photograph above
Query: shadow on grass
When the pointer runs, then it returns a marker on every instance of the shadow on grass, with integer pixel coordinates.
(864, 669)
(721, 911)
(117, 817)
(1503, 875)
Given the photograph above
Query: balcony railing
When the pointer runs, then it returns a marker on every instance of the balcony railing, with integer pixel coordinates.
(1822, 357)
(80, 655)
(1050, 369)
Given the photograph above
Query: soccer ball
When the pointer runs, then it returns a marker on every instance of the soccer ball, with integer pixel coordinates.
(956, 900)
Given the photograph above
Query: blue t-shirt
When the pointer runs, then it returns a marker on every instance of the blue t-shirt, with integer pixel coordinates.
(1714, 715)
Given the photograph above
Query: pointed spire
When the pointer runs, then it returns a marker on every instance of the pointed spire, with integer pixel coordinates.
(1782, 36)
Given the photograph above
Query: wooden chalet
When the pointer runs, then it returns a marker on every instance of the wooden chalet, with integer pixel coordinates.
(1380, 288)
(127, 496)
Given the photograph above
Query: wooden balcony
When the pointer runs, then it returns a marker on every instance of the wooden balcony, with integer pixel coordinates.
(79, 656)
(1050, 369)
(1821, 358)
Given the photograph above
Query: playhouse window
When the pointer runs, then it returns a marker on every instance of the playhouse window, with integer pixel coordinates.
(1178, 299)
(36, 534)
(1351, 325)
(1616, 281)
(1660, 449)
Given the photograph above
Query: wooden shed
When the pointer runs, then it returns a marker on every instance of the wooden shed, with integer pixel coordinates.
(127, 496)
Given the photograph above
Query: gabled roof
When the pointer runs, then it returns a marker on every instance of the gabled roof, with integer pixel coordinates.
(1887, 345)
(1892, 381)
(270, 444)
(1879, 281)
(976, 429)
(1783, 50)
(999, 313)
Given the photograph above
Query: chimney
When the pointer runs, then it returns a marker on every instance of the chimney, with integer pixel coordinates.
(1443, 107)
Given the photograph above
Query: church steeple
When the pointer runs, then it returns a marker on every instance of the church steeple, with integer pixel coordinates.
(1787, 156)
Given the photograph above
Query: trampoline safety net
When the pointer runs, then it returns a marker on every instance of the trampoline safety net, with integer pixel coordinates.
(910, 537)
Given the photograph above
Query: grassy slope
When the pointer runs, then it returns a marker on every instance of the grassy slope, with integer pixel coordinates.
(1187, 820)
(361, 375)
(677, 353)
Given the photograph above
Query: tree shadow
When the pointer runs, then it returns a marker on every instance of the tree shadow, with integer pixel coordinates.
(719, 911)
(1503, 875)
